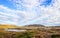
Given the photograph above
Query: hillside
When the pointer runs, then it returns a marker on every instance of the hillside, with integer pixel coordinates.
(8, 26)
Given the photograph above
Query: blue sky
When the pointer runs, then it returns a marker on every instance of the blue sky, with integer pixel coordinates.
(25, 12)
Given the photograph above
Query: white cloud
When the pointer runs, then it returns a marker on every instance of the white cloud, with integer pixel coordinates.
(26, 4)
(15, 15)
(33, 13)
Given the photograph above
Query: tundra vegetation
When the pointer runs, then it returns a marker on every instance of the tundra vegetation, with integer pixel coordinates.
(32, 31)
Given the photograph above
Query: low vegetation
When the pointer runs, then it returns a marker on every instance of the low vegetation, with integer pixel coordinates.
(33, 31)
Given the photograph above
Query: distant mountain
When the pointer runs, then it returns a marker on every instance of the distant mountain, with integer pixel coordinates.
(35, 25)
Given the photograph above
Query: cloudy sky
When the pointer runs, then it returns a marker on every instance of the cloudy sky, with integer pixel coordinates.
(23, 12)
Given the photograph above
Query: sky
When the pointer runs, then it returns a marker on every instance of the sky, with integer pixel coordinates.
(25, 12)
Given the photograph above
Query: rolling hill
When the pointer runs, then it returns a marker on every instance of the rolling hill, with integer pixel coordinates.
(8, 26)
